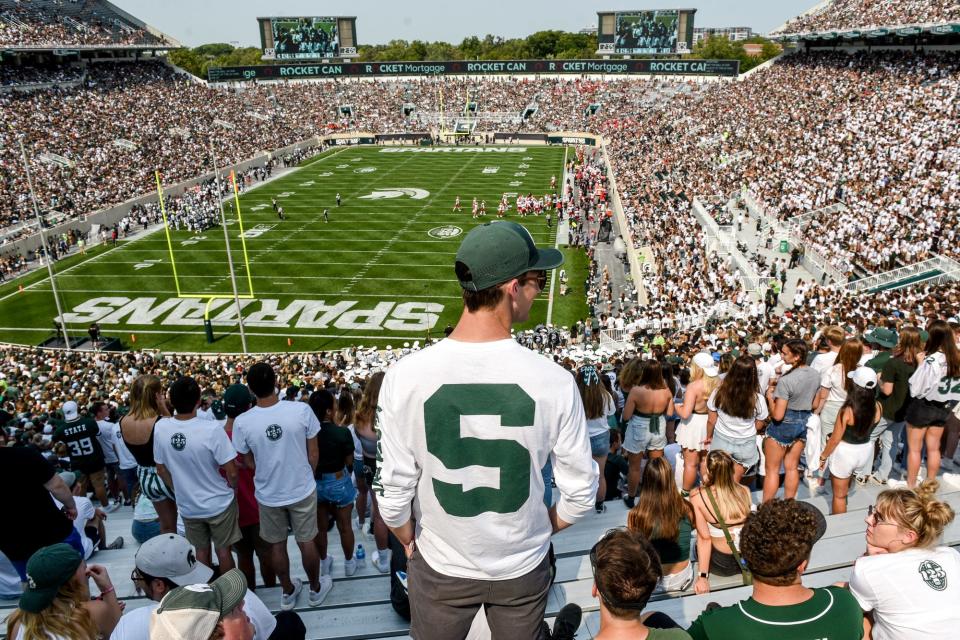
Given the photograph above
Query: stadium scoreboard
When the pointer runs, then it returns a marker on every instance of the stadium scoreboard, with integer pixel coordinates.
(645, 32)
(308, 38)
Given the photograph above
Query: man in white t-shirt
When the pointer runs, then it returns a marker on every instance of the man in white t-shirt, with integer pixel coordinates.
(279, 441)
(465, 429)
(834, 337)
(190, 453)
(169, 561)
(107, 436)
(764, 371)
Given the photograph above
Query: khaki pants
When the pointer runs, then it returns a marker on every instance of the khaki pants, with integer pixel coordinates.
(443, 607)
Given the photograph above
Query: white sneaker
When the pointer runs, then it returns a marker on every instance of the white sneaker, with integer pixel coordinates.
(110, 508)
(350, 566)
(896, 484)
(382, 561)
(326, 566)
(316, 598)
(288, 602)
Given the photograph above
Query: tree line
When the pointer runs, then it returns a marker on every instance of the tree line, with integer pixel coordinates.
(537, 46)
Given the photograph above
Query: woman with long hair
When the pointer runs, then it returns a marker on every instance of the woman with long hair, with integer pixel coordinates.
(148, 403)
(732, 500)
(365, 426)
(835, 383)
(648, 402)
(346, 416)
(666, 519)
(737, 412)
(850, 450)
(790, 402)
(335, 490)
(935, 387)
(56, 604)
(598, 406)
(692, 431)
(895, 398)
(908, 583)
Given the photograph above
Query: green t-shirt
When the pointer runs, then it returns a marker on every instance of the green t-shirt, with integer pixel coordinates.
(80, 435)
(876, 362)
(831, 614)
(898, 372)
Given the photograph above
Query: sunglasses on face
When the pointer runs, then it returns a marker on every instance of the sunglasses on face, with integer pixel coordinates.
(878, 519)
(540, 278)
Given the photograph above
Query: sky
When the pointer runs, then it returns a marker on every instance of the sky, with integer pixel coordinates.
(196, 22)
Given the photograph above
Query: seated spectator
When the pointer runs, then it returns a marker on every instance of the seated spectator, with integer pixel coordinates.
(146, 522)
(721, 507)
(56, 603)
(776, 543)
(166, 562)
(89, 522)
(908, 585)
(665, 518)
(626, 572)
(616, 469)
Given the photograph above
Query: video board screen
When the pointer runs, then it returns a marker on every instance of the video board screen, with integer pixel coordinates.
(646, 32)
(304, 38)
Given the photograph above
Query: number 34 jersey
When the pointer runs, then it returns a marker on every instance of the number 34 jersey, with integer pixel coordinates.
(80, 435)
(465, 430)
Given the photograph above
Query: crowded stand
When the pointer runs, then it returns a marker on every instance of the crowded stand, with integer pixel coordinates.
(39, 23)
(840, 15)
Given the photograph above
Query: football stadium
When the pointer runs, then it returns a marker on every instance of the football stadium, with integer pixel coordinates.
(636, 324)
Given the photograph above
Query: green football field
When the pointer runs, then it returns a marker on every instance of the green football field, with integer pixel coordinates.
(379, 273)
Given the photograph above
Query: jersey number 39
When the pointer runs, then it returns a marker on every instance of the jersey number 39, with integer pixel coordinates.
(441, 415)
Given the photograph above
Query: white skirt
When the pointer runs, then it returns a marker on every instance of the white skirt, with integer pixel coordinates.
(692, 432)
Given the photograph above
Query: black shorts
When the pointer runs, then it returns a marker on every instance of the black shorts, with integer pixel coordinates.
(923, 413)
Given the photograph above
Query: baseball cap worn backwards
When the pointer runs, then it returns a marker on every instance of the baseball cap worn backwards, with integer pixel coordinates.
(238, 395)
(47, 570)
(192, 612)
(498, 251)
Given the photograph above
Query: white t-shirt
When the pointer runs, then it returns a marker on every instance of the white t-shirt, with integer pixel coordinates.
(834, 381)
(823, 361)
(135, 625)
(930, 380)
(124, 457)
(107, 437)
(914, 594)
(465, 429)
(193, 451)
(765, 372)
(599, 426)
(277, 435)
(734, 427)
(85, 513)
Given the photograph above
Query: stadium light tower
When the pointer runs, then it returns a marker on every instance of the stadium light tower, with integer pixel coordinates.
(43, 242)
(226, 234)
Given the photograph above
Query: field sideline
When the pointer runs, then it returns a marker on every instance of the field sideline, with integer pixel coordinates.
(379, 273)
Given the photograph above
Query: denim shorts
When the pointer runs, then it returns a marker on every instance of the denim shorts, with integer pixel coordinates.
(639, 438)
(793, 427)
(600, 445)
(743, 450)
(339, 492)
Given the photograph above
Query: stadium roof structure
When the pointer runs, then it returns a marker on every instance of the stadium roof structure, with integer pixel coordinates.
(76, 14)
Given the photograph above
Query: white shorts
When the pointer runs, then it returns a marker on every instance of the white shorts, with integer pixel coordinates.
(692, 432)
(676, 581)
(849, 459)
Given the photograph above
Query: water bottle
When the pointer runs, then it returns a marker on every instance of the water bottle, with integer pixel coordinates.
(361, 556)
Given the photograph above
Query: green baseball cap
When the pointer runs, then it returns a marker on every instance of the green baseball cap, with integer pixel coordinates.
(47, 570)
(882, 336)
(238, 396)
(498, 251)
(192, 612)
